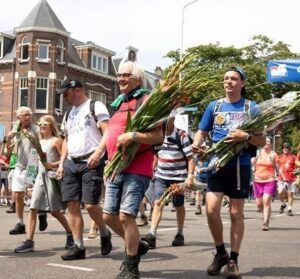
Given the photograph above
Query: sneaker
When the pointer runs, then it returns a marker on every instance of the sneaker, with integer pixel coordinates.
(12, 208)
(143, 221)
(282, 207)
(43, 221)
(75, 253)
(199, 210)
(265, 227)
(217, 264)
(290, 213)
(19, 229)
(150, 239)
(69, 241)
(106, 245)
(25, 246)
(143, 248)
(178, 240)
(232, 270)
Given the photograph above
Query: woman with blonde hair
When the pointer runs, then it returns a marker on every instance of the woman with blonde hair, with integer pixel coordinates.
(46, 196)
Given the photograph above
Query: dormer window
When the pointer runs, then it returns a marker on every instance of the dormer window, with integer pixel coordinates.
(1, 47)
(25, 48)
(99, 63)
(60, 51)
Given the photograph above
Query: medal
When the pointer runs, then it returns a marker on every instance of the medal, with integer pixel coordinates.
(220, 118)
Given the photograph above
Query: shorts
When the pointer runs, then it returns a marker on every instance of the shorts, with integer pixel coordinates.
(80, 183)
(159, 186)
(125, 193)
(18, 180)
(287, 186)
(261, 188)
(225, 181)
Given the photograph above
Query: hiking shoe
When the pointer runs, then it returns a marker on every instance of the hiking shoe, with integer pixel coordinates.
(290, 213)
(232, 270)
(130, 268)
(143, 221)
(178, 240)
(106, 245)
(43, 222)
(150, 239)
(12, 208)
(69, 241)
(19, 229)
(25, 246)
(75, 253)
(217, 264)
(282, 207)
(143, 248)
(199, 210)
(265, 227)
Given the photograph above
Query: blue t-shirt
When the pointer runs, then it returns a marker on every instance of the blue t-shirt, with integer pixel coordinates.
(228, 117)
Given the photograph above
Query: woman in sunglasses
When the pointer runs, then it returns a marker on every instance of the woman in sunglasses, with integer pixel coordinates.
(45, 196)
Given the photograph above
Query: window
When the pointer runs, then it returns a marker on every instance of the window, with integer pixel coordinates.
(23, 92)
(1, 47)
(25, 48)
(58, 98)
(97, 96)
(99, 63)
(60, 51)
(43, 51)
(41, 94)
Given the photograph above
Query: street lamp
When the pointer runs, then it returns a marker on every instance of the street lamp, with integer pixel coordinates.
(182, 25)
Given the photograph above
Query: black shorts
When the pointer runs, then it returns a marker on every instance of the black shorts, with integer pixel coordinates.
(225, 181)
(80, 183)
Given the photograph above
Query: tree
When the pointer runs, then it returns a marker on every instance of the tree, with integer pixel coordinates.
(253, 59)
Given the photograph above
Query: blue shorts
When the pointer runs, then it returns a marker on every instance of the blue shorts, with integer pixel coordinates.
(159, 185)
(125, 194)
(225, 181)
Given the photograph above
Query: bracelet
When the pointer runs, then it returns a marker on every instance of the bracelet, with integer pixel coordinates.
(134, 136)
(249, 136)
(190, 175)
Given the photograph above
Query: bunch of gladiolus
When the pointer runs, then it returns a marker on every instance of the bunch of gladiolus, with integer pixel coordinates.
(173, 92)
(263, 117)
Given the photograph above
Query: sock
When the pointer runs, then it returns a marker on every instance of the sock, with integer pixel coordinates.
(79, 243)
(221, 249)
(20, 221)
(234, 256)
(180, 231)
(153, 231)
(289, 207)
(104, 231)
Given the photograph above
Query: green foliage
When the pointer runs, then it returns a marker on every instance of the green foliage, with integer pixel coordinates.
(253, 59)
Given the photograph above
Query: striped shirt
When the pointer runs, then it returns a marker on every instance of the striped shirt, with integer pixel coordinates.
(172, 163)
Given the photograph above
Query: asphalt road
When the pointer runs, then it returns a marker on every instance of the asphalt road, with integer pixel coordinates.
(272, 254)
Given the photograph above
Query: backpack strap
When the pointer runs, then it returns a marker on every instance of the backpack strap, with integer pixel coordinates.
(218, 105)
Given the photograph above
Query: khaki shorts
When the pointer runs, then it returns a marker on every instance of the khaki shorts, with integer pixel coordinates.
(286, 186)
(18, 180)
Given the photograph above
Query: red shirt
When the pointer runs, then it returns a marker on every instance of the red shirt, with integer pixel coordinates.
(286, 164)
(142, 163)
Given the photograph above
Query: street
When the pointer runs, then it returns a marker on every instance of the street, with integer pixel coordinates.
(271, 254)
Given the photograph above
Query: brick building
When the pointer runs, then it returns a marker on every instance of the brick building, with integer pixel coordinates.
(37, 56)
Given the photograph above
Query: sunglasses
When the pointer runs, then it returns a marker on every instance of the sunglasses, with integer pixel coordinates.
(43, 124)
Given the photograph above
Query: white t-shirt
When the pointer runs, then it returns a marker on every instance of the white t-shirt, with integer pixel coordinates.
(83, 134)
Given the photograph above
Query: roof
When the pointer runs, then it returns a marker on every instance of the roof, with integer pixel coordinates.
(42, 18)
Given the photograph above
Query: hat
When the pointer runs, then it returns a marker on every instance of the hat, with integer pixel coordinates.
(68, 83)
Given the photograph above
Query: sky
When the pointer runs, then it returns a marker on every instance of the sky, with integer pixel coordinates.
(154, 26)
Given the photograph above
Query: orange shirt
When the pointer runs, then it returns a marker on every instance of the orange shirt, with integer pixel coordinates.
(265, 166)
(286, 164)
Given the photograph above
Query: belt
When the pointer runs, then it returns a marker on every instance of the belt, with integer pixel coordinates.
(81, 158)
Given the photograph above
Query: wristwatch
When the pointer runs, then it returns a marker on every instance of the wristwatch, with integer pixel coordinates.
(134, 136)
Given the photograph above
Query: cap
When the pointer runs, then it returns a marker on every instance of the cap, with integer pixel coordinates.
(68, 83)
(238, 70)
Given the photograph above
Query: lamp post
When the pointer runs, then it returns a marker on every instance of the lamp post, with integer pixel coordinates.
(182, 25)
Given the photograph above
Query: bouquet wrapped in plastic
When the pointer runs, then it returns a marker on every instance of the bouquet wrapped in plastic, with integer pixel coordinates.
(265, 116)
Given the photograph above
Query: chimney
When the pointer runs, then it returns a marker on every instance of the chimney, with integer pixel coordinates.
(158, 71)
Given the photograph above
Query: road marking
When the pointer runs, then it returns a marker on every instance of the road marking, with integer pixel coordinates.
(169, 229)
(70, 267)
(5, 257)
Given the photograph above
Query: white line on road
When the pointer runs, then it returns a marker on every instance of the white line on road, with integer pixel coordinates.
(70, 267)
(164, 230)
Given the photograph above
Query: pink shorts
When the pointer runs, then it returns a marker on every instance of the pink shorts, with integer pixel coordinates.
(261, 188)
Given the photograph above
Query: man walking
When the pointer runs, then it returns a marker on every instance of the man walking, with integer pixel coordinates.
(82, 163)
(221, 118)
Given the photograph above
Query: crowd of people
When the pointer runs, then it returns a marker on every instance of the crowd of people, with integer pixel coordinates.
(70, 176)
